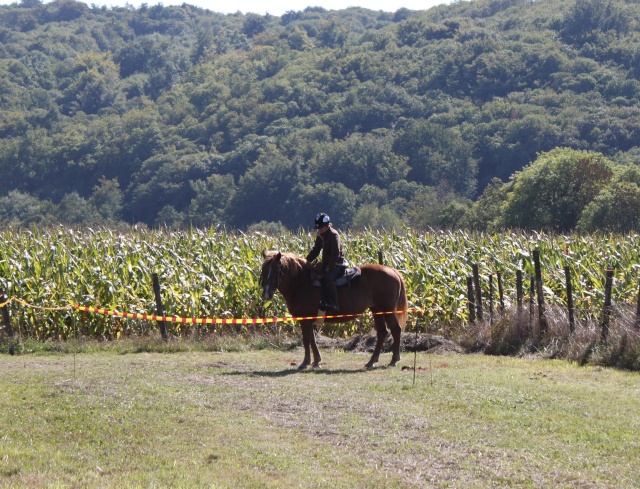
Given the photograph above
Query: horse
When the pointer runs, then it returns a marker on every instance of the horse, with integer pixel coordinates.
(378, 288)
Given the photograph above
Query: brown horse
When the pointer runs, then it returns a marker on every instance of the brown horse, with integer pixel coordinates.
(379, 288)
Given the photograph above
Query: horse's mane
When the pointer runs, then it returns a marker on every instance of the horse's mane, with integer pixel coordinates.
(289, 261)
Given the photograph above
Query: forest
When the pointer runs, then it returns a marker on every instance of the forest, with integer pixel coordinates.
(480, 115)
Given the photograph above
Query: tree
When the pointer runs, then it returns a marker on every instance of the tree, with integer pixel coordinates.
(551, 193)
(486, 212)
(24, 209)
(437, 155)
(107, 200)
(588, 18)
(263, 190)
(95, 85)
(253, 24)
(73, 209)
(213, 197)
(616, 208)
(306, 201)
(438, 208)
(369, 216)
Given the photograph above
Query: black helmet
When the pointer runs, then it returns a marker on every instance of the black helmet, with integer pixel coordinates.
(322, 220)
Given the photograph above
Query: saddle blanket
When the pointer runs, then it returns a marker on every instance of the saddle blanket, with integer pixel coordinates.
(348, 275)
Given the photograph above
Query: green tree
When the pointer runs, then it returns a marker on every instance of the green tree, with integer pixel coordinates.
(437, 155)
(331, 197)
(616, 208)
(370, 216)
(263, 190)
(437, 208)
(551, 193)
(213, 196)
(95, 86)
(107, 200)
(486, 212)
(24, 209)
(588, 18)
(74, 209)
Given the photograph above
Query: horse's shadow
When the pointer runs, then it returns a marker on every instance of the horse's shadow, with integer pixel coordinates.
(295, 371)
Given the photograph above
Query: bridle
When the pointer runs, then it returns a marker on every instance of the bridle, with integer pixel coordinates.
(275, 270)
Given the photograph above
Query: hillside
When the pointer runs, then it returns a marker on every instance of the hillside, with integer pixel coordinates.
(182, 116)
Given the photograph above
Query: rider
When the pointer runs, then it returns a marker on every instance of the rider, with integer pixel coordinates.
(333, 262)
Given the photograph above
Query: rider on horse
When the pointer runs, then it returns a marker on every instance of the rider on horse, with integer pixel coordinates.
(333, 262)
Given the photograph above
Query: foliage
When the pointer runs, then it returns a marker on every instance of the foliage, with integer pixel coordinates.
(214, 274)
(177, 104)
(553, 191)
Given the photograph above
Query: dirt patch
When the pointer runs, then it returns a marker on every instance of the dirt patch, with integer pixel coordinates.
(410, 342)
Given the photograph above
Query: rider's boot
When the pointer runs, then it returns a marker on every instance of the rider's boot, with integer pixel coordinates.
(332, 298)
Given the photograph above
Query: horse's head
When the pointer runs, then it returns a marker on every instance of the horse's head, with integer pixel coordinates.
(270, 273)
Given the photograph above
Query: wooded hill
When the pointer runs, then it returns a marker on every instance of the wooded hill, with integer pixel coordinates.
(181, 116)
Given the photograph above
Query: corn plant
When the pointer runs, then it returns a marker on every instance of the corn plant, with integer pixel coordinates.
(214, 274)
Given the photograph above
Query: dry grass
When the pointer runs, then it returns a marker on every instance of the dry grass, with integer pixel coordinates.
(514, 334)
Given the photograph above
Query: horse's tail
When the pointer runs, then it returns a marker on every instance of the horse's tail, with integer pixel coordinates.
(402, 305)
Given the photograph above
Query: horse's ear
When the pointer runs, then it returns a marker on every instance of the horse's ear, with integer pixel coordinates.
(278, 256)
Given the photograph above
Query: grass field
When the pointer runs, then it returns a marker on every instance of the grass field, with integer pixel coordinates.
(249, 419)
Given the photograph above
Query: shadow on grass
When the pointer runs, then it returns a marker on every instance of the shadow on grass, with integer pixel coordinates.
(308, 371)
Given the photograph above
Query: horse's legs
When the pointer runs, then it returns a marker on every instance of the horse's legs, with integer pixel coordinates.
(396, 330)
(307, 329)
(309, 343)
(314, 348)
(381, 329)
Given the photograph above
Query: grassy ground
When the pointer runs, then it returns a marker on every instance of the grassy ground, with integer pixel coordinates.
(249, 419)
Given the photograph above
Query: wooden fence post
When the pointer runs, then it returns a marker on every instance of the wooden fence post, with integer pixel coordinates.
(471, 300)
(380, 258)
(491, 299)
(606, 310)
(159, 307)
(6, 316)
(478, 291)
(519, 291)
(638, 310)
(532, 294)
(500, 291)
(567, 274)
(542, 320)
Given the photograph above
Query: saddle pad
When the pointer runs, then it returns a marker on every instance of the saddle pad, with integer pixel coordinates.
(348, 275)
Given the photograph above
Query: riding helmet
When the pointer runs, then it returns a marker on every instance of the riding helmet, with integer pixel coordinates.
(322, 220)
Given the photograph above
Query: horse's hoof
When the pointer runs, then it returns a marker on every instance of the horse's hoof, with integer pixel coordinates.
(370, 365)
(303, 366)
(393, 363)
(315, 365)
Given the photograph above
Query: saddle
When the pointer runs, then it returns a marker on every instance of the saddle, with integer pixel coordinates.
(347, 276)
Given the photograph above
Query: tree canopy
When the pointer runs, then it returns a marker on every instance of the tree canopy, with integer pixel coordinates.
(447, 117)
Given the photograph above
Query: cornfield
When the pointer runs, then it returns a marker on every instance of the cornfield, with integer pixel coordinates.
(214, 274)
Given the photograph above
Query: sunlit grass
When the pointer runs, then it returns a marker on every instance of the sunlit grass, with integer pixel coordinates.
(249, 419)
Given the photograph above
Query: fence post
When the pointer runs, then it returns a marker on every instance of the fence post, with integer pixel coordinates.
(638, 310)
(160, 309)
(471, 300)
(500, 291)
(542, 320)
(567, 274)
(491, 299)
(519, 291)
(606, 310)
(380, 258)
(6, 316)
(532, 294)
(478, 291)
